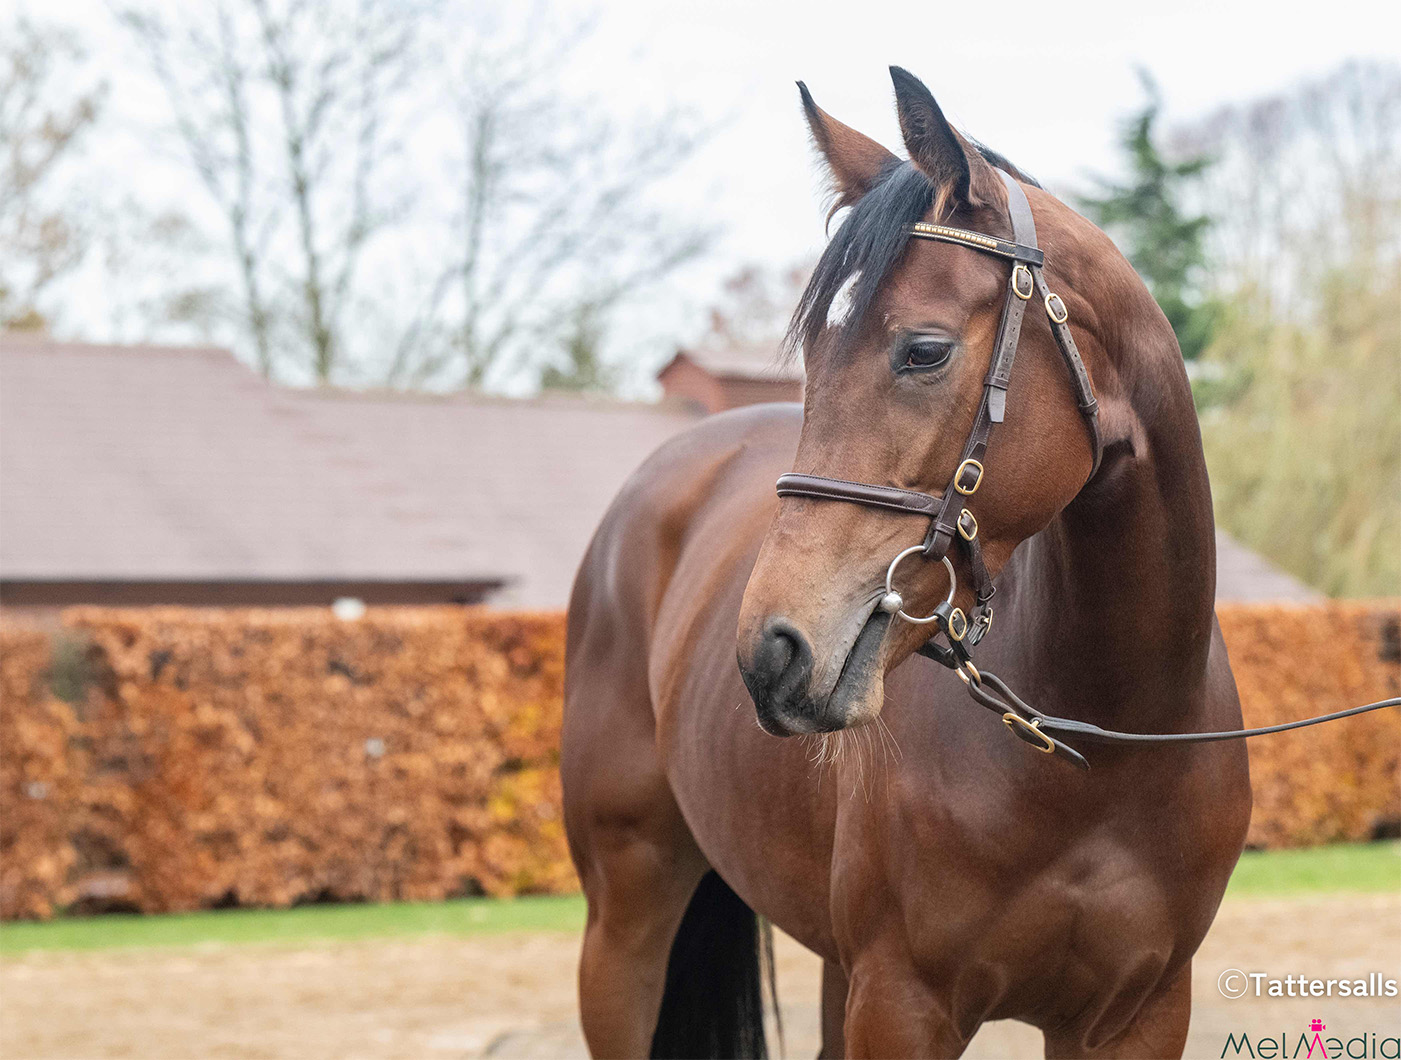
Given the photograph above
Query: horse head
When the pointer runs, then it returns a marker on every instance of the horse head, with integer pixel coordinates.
(897, 336)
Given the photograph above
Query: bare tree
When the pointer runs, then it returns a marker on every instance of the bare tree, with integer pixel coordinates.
(283, 110)
(754, 307)
(1302, 439)
(337, 134)
(42, 120)
(552, 224)
(1303, 180)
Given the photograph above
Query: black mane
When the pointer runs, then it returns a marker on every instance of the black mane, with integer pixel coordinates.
(1002, 162)
(867, 246)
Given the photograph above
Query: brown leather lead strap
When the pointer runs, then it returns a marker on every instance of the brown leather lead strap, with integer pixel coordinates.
(1002, 699)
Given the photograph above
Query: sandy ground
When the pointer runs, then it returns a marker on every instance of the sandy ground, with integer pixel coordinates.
(513, 996)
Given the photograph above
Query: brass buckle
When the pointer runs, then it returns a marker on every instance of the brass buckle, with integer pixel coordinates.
(1050, 312)
(1021, 269)
(968, 665)
(967, 535)
(1011, 720)
(958, 624)
(958, 475)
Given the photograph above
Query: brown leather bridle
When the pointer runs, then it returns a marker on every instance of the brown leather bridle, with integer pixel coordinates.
(952, 521)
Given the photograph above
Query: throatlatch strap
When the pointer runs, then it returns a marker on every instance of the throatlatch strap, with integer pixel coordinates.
(1079, 376)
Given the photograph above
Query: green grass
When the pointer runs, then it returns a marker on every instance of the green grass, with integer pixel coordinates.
(1345, 868)
(468, 916)
(1342, 869)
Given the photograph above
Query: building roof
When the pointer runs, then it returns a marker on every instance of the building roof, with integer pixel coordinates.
(761, 361)
(517, 485)
(157, 463)
(179, 464)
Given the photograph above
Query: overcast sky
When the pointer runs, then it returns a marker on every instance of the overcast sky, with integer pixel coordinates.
(1045, 83)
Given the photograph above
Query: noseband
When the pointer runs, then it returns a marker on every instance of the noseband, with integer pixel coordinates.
(952, 521)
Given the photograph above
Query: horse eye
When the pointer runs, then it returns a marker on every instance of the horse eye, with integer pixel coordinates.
(927, 352)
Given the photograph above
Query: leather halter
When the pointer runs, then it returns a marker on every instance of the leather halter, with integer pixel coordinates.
(951, 520)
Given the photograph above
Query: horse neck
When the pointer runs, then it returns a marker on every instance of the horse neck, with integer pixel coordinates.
(1127, 572)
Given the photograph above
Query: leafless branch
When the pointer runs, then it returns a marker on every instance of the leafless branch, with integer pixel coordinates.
(41, 121)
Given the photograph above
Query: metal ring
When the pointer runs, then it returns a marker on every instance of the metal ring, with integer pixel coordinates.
(1064, 313)
(890, 587)
(1030, 283)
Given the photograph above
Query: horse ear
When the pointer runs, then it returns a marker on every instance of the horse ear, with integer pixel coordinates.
(961, 176)
(854, 159)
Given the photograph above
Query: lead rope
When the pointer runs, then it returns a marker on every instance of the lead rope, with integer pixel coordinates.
(1036, 728)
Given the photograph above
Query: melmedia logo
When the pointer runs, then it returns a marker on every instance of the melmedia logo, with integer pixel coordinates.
(1312, 1045)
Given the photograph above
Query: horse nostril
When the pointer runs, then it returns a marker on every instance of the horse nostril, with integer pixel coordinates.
(781, 664)
(778, 646)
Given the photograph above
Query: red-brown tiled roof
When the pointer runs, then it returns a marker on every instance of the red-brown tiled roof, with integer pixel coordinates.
(763, 361)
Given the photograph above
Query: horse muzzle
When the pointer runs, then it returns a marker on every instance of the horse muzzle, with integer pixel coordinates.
(779, 673)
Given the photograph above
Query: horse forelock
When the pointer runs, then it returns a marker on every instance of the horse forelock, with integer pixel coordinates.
(864, 249)
(860, 254)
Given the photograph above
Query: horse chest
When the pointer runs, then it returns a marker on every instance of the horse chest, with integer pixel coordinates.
(1007, 921)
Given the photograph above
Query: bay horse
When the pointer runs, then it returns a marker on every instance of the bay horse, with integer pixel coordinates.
(946, 873)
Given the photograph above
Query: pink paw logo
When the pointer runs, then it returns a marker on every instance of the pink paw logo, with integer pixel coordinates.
(1318, 1025)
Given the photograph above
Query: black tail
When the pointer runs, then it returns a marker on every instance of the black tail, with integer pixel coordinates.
(714, 1003)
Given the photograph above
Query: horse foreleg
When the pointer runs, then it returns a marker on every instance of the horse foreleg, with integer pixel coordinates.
(639, 867)
(891, 1011)
(834, 991)
(636, 858)
(1158, 1029)
(632, 920)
